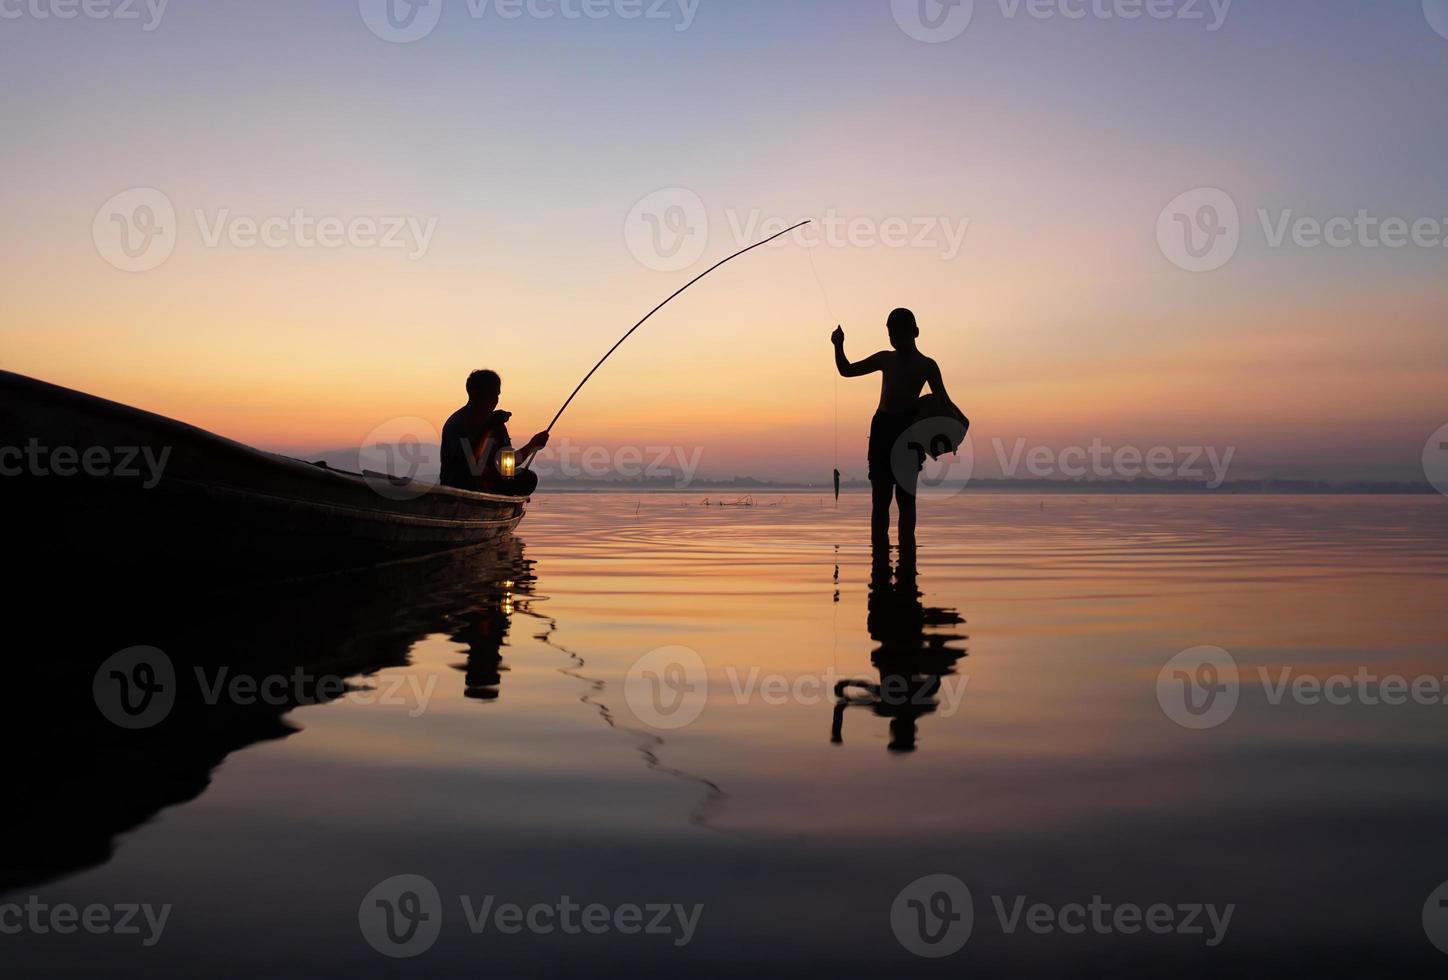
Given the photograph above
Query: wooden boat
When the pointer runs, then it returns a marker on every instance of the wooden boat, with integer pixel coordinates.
(216, 512)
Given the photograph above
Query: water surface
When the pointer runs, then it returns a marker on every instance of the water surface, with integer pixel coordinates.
(498, 748)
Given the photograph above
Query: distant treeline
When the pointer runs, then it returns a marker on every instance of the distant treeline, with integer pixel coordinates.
(350, 460)
(752, 484)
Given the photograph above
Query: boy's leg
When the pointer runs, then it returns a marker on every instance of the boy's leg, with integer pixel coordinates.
(880, 492)
(905, 500)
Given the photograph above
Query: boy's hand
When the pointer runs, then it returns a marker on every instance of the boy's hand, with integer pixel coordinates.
(541, 440)
(838, 337)
(500, 418)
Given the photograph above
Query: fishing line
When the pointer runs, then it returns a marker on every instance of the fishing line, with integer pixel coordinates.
(829, 308)
(835, 614)
(656, 309)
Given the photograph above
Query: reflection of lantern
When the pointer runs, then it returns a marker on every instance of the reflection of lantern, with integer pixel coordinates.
(508, 462)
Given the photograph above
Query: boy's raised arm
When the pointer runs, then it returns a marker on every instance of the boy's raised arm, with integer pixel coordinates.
(869, 365)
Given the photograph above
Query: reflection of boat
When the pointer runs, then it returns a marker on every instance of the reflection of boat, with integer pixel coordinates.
(78, 781)
(93, 487)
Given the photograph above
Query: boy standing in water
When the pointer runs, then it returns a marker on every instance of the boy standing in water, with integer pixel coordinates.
(905, 372)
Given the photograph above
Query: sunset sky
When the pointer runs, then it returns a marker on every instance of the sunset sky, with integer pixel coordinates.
(526, 145)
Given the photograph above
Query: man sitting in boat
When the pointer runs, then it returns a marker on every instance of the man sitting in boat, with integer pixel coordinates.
(477, 453)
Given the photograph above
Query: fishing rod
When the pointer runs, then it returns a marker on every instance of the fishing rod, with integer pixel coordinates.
(656, 309)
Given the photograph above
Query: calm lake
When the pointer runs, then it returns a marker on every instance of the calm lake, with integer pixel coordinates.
(1187, 735)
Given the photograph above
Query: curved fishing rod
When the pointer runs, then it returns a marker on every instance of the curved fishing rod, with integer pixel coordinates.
(656, 309)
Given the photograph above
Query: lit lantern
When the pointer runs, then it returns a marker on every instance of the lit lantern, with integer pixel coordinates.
(508, 462)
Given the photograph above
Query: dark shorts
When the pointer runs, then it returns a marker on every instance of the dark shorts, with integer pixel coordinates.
(890, 460)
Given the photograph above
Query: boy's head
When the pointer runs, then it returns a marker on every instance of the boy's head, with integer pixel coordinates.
(902, 328)
(484, 390)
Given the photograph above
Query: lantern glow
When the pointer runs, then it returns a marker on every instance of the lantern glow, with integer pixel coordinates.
(508, 462)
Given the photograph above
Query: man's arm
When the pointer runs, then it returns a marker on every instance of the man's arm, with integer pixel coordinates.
(871, 364)
(535, 446)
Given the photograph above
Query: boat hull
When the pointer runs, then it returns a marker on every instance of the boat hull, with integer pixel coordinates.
(166, 503)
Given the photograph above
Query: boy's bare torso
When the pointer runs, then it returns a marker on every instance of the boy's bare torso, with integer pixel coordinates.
(903, 376)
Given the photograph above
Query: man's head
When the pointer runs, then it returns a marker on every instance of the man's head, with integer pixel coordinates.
(902, 328)
(484, 390)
